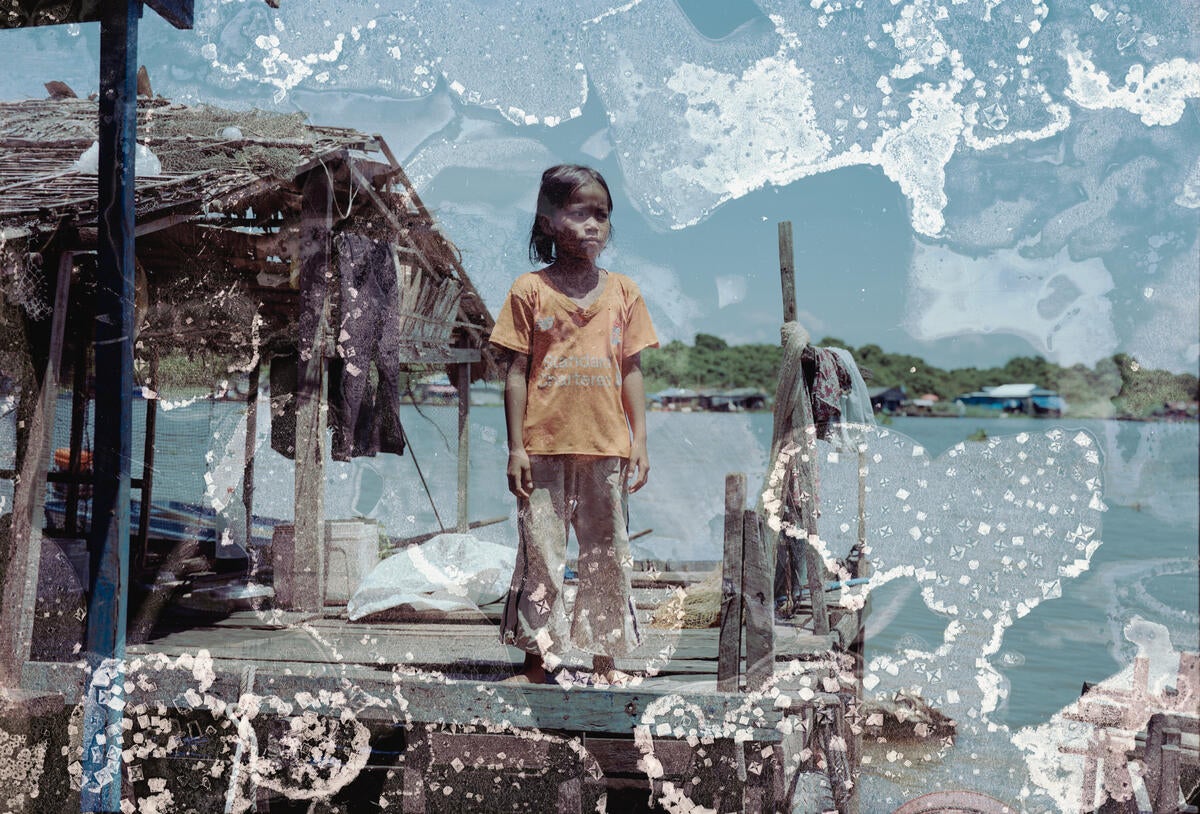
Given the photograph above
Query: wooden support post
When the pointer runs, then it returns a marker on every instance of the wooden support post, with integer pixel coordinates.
(308, 562)
(729, 651)
(758, 603)
(787, 271)
(417, 758)
(25, 538)
(251, 445)
(464, 446)
(108, 541)
(79, 404)
(147, 490)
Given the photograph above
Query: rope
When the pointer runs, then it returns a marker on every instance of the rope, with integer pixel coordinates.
(792, 428)
(417, 464)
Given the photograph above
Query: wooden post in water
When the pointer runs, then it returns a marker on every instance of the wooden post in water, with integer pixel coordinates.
(308, 562)
(814, 566)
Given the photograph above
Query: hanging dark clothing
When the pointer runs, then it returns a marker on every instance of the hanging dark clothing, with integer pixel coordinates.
(283, 375)
(365, 419)
(831, 384)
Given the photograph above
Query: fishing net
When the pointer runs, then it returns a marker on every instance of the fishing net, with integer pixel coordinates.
(22, 281)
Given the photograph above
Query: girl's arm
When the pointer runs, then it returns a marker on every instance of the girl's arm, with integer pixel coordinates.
(633, 398)
(520, 475)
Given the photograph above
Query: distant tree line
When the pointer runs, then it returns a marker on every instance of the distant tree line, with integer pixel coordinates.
(1115, 385)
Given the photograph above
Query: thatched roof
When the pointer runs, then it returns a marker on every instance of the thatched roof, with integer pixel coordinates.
(212, 159)
(224, 211)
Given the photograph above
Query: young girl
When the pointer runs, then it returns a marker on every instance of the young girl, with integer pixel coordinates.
(575, 409)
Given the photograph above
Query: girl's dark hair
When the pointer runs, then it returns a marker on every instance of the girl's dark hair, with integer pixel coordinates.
(558, 185)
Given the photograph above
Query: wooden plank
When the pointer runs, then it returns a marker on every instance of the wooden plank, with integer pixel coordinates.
(428, 635)
(25, 539)
(758, 603)
(620, 756)
(787, 271)
(308, 563)
(730, 638)
(414, 697)
(667, 578)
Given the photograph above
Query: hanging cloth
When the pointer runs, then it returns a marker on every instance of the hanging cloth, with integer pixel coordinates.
(795, 480)
(365, 419)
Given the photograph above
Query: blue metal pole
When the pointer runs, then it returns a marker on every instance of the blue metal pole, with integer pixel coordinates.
(108, 541)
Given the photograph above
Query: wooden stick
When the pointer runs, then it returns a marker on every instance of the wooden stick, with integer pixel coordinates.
(787, 271)
(147, 489)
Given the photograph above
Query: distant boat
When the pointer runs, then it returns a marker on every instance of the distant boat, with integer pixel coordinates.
(172, 521)
(487, 394)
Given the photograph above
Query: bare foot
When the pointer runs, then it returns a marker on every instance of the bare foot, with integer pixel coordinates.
(533, 671)
(606, 674)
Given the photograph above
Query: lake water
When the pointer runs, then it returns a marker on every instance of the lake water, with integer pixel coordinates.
(1145, 567)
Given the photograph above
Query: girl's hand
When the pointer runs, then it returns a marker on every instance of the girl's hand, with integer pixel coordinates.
(520, 474)
(639, 467)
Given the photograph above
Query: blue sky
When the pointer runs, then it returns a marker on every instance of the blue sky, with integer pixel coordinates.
(967, 181)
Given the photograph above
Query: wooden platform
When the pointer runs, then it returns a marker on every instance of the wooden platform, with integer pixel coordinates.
(436, 678)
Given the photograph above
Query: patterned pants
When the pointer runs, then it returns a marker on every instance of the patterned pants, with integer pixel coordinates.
(587, 493)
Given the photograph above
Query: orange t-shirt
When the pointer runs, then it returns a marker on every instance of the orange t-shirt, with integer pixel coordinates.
(575, 354)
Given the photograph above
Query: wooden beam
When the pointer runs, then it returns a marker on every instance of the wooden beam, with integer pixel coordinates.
(730, 639)
(428, 698)
(25, 539)
(308, 562)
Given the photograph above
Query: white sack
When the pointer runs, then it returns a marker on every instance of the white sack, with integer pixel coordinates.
(449, 572)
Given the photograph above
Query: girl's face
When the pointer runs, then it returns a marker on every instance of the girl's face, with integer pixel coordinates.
(581, 226)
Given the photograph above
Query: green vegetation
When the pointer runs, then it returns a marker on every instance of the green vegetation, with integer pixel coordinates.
(1116, 386)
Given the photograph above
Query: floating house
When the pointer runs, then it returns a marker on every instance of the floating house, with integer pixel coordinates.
(887, 399)
(676, 398)
(735, 400)
(1028, 399)
(255, 241)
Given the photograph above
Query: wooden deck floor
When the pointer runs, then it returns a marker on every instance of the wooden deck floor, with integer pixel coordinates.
(435, 678)
(445, 667)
